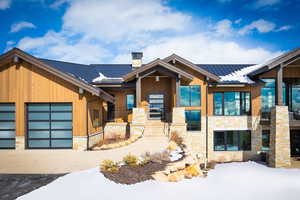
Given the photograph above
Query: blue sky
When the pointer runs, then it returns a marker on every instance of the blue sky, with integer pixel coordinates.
(106, 31)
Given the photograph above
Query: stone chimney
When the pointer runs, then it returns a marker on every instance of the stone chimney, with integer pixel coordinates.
(136, 59)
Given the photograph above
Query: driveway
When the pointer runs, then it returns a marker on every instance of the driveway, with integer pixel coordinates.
(64, 161)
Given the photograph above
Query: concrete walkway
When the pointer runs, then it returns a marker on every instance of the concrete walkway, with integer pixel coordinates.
(64, 161)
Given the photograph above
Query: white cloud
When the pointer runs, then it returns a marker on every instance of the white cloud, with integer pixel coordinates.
(200, 48)
(107, 31)
(4, 4)
(262, 26)
(20, 25)
(224, 28)
(58, 3)
(264, 3)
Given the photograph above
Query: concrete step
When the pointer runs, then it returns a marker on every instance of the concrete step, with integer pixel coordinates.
(155, 129)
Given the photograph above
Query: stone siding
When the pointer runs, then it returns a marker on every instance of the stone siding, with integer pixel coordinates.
(79, 143)
(95, 139)
(20, 143)
(279, 154)
(115, 130)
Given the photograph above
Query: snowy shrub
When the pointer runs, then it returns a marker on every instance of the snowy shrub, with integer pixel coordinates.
(144, 161)
(109, 166)
(131, 160)
(175, 137)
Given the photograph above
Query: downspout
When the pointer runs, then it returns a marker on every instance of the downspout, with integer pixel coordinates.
(206, 123)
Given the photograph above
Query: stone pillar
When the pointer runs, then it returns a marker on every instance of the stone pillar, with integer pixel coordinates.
(279, 154)
(79, 143)
(20, 143)
(178, 120)
(139, 116)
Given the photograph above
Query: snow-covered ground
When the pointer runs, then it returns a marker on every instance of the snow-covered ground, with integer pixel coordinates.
(232, 181)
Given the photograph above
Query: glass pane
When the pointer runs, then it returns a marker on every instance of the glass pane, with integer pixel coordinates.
(218, 103)
(61, 143)
(245, 103)
(7, 134)
(38, 134)
(38, 125)
(268, 95)
(7, 107)
(61, 107)
(219, 141)
(232, 103)
(245, 140)
(269, 83)
(193, 119)
(7, 125)
(38, 107)
(130, 101)
(39, 143)
(38, 116)
(156, 96)
(61, 134)
(7, 116)
(295, 98)
(61, 125)
(7, 143)
(61, 116)
(265, 140)
(232, 141)
(195, 95)
(184, 96)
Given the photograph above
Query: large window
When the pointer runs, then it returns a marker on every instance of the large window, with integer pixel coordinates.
(7, 126)
(232, 141)
(49, 125)
(265, 140)
(190, 95)
(232, 103)
(268, 95)
(130, 101)
(193, 120)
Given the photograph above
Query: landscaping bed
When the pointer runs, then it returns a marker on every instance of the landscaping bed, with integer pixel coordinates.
(135, 174)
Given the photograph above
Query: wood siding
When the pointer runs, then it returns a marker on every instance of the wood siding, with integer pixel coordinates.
(26, 83)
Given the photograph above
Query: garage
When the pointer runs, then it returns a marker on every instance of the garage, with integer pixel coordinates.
(49, 126)
(7, 126)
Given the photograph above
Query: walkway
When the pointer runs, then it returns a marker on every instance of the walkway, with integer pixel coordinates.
(63, 161)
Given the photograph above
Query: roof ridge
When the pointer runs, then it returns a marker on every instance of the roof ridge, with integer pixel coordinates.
(86, 65)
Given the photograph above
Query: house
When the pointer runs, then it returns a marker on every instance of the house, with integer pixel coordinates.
(228, 112)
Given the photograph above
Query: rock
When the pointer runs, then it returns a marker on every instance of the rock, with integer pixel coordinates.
(176, 176)
(160, 176)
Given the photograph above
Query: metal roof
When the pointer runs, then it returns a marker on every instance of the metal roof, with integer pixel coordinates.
(223, 69)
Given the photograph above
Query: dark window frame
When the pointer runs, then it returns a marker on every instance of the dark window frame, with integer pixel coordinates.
(242, 112)
(226, 143)
(9, 139)
(50, 128)
(189, 126)
(190, 96)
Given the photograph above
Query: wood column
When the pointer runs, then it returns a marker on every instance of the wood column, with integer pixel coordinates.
(138, 91)
(178, 91)
(279, 98)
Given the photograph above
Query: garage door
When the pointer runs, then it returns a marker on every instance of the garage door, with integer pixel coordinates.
(49, 126)
(7, 126)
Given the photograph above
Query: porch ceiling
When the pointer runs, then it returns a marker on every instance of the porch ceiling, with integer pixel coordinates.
(158, 65)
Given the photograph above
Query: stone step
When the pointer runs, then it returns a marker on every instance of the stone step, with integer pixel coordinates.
(155, 130)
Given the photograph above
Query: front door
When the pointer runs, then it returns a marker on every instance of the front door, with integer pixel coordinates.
(156, 106)
(295, 143)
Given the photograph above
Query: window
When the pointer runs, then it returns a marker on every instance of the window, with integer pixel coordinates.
(130, 101)
(232, 103)
(268, 95)
(265, 140)
(232, 141)
(190, 95)
(7, 126)
(193, 120)
(49, 125)
(96, 118)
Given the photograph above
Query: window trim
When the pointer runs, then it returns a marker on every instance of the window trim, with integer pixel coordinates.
(241, 103)
(49, 129)
(9, 139)
(225, 140)
(190, 99)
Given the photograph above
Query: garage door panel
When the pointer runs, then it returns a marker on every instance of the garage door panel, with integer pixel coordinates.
(61, 116)
(61, 143)
(61, 134)
(39, 143)
(38, 134)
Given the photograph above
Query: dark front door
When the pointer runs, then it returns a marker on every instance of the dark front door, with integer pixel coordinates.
(156, 106)
(110, 112)
(295, 143)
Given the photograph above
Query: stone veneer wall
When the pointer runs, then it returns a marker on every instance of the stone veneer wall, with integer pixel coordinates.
(95, 139)
(114, 130)
(279, 154)
(79, 143)
(178, 120)
(20, 143)
(234, 123)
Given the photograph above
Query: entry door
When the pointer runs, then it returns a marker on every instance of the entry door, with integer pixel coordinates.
(295, 143)
(156, 106)
(110, 112)
(49, 126)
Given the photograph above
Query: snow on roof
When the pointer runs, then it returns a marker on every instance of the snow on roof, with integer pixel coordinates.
(102, 78)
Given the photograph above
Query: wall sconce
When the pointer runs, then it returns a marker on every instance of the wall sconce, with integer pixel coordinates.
(156, 78)
(81, 91)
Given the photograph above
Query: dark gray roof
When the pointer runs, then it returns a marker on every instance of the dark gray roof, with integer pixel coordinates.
(223, 69)
(90, 72)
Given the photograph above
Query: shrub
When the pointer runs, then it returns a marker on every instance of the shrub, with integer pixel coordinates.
(131, 160)
(175, 137)
(211, 165)
(109, 166)
(192, 171)
(144, 161)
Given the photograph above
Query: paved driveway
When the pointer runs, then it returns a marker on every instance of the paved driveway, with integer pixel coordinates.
(64, 161)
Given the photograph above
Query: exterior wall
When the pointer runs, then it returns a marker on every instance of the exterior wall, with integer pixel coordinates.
(26, 83)
(95, 104)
